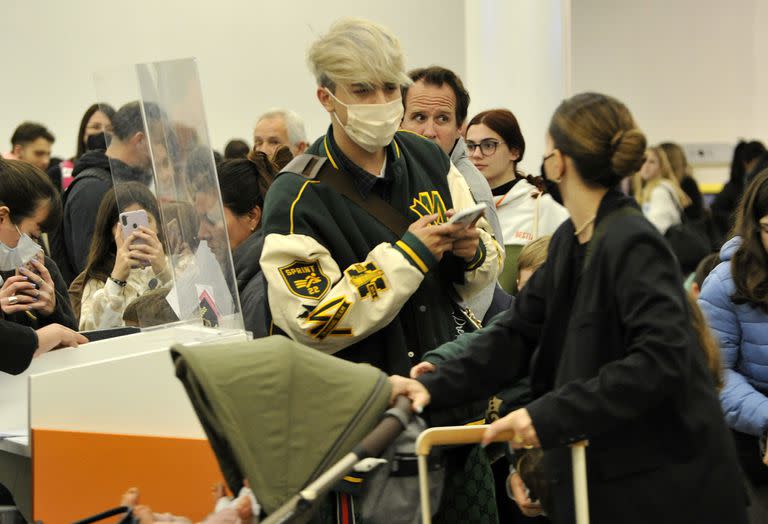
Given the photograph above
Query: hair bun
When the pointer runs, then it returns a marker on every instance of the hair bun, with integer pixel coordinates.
(628, 151)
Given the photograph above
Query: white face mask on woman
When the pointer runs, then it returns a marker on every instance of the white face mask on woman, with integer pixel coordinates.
(12, 258)
(371, 126)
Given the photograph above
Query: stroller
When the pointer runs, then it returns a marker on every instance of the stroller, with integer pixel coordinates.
(291, 420)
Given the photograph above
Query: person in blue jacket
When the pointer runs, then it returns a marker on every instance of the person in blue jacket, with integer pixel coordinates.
(734, 298)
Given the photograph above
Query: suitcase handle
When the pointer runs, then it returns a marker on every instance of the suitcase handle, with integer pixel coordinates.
(443, 436)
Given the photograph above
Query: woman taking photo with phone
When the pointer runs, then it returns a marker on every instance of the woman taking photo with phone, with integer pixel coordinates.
(33, 293)
(124, 261)
(603, 329)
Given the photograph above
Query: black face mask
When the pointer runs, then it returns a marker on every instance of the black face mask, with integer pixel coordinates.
(99, 141)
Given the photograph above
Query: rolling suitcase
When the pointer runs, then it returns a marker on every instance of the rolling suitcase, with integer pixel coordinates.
(449, 435)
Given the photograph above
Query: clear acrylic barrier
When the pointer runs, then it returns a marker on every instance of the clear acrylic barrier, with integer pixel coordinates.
(164, 173)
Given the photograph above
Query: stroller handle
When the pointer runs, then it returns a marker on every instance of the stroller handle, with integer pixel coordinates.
(442, 436)
(373, 445)
(395, 421)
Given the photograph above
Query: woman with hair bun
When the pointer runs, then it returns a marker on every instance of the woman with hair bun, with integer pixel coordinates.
(244, 184)
(604, 332)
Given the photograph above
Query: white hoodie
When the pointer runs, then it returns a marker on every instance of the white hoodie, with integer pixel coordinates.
(525, 214)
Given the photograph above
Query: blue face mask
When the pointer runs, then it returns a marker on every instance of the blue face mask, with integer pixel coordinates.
(12, 258)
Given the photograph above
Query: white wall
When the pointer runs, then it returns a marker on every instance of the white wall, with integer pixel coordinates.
(690, 70)
(517, 59)
(251, 54)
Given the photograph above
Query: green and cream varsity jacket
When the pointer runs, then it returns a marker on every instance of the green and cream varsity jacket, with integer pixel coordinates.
(340, 281)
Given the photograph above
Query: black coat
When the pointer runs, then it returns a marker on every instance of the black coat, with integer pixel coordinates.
(251, 284)
(18, 346)
(617, 363)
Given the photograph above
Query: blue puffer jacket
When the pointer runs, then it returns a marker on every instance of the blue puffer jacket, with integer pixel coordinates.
(743, 334)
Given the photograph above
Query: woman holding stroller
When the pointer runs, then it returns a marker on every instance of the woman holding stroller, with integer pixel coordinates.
(604, 330)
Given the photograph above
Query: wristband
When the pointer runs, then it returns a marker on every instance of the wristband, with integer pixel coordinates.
(121, 283)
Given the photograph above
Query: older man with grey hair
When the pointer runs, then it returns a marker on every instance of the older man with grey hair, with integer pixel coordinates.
(279, 127)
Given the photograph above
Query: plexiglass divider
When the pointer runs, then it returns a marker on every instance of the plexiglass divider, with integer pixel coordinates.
(168, 206)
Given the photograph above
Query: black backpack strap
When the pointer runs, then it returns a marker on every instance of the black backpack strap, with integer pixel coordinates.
(318, 168)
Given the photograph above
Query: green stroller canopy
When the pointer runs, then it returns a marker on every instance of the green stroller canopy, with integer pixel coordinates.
(278, 413)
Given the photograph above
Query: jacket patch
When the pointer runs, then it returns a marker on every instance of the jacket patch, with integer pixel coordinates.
(327, 317)
(368, 279)
(430, 203)
(305, 279)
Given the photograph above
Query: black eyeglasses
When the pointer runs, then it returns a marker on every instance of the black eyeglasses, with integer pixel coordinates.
(487, 146)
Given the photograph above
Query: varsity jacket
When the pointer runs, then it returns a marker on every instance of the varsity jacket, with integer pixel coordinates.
(340, 281)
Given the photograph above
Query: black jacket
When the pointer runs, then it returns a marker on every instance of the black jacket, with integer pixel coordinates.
(618, 364)
(696, 210)
(92, 179)
(251, 284)
(19, 345)
(724, 205)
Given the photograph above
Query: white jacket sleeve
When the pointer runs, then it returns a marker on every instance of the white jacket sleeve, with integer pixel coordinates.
(102, 305)
(327, 307)
(485, 269)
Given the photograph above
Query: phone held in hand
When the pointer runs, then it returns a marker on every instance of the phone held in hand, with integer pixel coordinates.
(131, 221)
(468, 216)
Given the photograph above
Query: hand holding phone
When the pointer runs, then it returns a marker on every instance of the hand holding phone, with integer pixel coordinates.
(130, 222)
(469, 215)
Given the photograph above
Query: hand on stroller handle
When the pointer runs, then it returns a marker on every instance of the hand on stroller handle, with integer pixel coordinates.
(411, 389)
(518, 424)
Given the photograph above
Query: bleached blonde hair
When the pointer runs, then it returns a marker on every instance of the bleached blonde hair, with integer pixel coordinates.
(355, 50)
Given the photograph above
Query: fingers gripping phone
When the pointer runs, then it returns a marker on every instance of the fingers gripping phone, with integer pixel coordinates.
(131, 221)
(468, 216)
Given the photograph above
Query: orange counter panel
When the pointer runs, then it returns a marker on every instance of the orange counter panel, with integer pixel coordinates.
(75, 474)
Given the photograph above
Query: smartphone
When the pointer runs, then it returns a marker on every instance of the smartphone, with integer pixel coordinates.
(469, 215)
(131, 221)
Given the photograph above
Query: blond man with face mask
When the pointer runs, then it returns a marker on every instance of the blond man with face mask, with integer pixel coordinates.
(338, 278)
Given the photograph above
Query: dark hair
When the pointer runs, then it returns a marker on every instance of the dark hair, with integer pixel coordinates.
(749, 265)
(23, 188)
(504, 123)
(29, 132)
(101, 256)
(128, 120)
(438, 76)
(236, 149)
(707, 342)
(705, 267)
(244, 183)
(743, 153)
(107, 109)
(599, 134)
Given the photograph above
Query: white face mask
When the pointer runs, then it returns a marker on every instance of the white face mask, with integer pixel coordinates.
(371, 126)
(12, 258)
